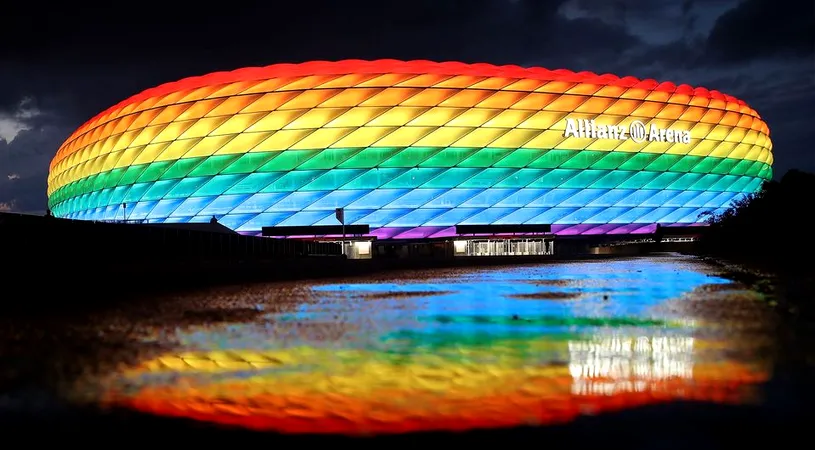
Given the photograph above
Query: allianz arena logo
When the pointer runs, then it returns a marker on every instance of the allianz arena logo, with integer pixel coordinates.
(636, 132)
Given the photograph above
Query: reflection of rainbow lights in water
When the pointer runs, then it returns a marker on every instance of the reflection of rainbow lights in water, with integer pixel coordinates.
(309, 390)
(469, 356)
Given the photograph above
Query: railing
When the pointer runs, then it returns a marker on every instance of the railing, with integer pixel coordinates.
(679, 239)
(136, 221)
(650, 241)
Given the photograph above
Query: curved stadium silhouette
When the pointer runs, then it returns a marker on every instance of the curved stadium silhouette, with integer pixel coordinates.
(413, 149)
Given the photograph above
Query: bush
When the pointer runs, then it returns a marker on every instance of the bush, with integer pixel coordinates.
(772, 224)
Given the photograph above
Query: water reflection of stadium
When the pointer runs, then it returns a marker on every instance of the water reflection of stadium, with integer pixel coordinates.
(615, 364)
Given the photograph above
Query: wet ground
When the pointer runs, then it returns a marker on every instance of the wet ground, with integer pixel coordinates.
(659, 350)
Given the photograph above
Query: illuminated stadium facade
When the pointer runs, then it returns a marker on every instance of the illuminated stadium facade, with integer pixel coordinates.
(413, 149)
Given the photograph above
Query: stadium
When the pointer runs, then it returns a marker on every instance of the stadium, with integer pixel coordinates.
(414, 150)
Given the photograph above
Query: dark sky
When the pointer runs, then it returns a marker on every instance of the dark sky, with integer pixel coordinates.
(60, 64)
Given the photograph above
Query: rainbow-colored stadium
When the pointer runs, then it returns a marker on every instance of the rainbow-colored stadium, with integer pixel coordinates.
(413, 149)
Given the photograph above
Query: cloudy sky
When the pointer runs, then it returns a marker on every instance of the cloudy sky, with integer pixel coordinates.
(61, 64)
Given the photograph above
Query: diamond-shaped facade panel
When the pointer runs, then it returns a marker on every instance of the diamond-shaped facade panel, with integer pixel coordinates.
(413, 149)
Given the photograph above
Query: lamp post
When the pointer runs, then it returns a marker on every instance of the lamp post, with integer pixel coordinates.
(339, 213)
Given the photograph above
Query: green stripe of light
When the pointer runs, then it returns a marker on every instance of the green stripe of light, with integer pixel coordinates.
(471, 168)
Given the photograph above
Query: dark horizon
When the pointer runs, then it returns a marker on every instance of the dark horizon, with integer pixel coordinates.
(69, 70)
